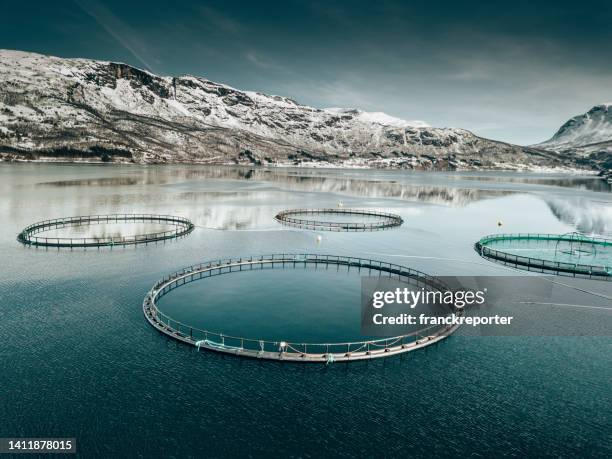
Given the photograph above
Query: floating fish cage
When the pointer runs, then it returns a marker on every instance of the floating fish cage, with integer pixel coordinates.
(571, 254)
(286, 350)
(28, 235)
(301, 218)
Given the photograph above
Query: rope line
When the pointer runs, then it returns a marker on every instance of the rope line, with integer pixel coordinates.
(583, 306)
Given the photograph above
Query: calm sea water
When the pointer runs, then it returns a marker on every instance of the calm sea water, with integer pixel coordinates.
(79, 359)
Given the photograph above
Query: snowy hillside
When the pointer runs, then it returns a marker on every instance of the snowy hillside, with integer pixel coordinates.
(588, 138)
(589, 129)
(76, 109)
(376, 117)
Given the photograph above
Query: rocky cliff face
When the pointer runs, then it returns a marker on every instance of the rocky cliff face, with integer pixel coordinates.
(76, 109)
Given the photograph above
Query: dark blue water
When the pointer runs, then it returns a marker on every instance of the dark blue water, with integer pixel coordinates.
(79, 360)
(299, 304)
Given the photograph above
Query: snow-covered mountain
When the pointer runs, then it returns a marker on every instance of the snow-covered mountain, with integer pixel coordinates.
(586, 137)
(376, 117)
(54, 108)
(588, 130)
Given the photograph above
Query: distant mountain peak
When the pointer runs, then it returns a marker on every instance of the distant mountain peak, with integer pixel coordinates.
(589, 129)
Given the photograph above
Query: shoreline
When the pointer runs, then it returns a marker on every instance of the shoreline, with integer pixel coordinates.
(348, 165)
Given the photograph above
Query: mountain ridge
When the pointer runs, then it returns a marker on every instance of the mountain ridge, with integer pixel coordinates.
(53, 108)
(587, 136)
(590, 128)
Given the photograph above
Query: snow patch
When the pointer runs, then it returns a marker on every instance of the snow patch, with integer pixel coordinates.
(377, 118)
(178, 107)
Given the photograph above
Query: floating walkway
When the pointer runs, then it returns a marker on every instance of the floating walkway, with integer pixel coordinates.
(384, 220)
(571, 254)
(284, 350)
(28, 234)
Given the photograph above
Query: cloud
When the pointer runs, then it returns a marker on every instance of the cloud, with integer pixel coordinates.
(219, 20)
(116, 28)
(264, 63)
(469, 73)
(255, 59)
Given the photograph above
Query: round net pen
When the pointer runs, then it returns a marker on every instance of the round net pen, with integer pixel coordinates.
(571, 254)
(34, 234)
(286, 350)
(307, 219)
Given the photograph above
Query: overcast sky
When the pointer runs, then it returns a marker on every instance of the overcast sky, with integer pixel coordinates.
(510, 70)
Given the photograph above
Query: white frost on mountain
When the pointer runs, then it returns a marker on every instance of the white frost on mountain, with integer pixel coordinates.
(587, 131)
(53, 108)
(377, 117)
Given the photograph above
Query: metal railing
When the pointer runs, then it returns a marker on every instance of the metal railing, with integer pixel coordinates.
(540, 264)
(387, 220)
(287, 350)
(569, 237)
(27, 235)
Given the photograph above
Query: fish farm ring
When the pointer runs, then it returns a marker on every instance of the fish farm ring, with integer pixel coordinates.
(27, 236)
(571, 254)
(384, 220)
(283, 350)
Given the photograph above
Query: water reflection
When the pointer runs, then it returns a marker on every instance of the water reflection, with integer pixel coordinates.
(586, 216)
(103, 181)
(591, 183)
(352, 186)
(243, 198)
(156, 176)
(377, 189)
(106, 230)
(355, 183)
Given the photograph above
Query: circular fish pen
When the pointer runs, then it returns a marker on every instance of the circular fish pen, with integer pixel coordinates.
(571, 254)
(322, 352)
(380, 220)
(28, 235)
